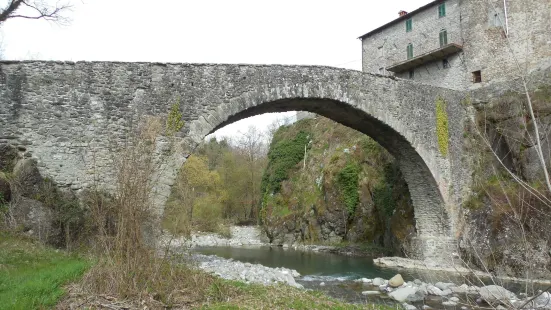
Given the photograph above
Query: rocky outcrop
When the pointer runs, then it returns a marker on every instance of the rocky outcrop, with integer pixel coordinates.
(34, 205)
(344, 189)
(505, 227)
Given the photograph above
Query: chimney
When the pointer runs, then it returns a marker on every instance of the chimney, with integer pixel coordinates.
(402, 13)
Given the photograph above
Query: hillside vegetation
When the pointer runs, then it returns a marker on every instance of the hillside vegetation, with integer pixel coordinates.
(328, 184)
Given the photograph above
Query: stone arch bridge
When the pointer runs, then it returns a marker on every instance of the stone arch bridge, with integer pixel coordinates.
(60, 111)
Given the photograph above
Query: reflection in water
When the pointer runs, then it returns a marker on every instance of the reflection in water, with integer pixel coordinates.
(307, 263)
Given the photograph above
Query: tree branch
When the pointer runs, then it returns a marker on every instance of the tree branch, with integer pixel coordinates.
(40, 10)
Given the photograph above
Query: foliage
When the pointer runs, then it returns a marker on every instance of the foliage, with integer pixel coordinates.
(222, 176)
(282, 157)
(348, 182)
(196, 200)
(442, 126)
(174, 121)
(32, 276)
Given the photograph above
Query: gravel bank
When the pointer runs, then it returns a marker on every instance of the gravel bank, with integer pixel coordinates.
(246, 272)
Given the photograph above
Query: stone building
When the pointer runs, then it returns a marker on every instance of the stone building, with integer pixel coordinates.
(462, 44)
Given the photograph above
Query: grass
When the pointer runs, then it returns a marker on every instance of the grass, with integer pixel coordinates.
(32, 276)
(244, 296)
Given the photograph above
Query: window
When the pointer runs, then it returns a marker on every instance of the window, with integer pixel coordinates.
(380, 51)
(442, 10)
(443, 37)
(409, 25)
(445, 63)
(410, 51)
(477, 77)
(411, 74)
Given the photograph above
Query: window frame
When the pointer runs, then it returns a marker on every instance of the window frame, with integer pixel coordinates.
(442, 10)
(443, 37)
(477, 76)
(409, 51)
(409, 25)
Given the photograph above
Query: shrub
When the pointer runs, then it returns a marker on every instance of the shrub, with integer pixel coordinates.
(348, 183)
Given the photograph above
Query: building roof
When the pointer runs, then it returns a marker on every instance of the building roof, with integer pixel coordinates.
(401, 18)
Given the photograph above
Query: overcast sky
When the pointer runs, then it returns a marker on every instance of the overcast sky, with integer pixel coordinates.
(303, 32)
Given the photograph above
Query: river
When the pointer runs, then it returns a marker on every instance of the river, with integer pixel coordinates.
(336, 272)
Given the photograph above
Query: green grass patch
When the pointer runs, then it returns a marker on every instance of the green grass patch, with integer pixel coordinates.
(236, 295)
(32, 276)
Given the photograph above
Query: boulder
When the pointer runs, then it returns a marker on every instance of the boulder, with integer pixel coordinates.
(33, 217)
(444, 286)
(418, 296)
(446, 292)
(542, 301)
(462, 289)
(378, 281)
(396, 281)
(495, 294)
(433, 290)
(408, 306)
(402, 293)
(27, 178)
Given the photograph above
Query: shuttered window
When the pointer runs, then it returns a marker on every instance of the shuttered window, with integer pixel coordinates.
(409, 25)
(442, 10)
(443, 37)
(410, 51)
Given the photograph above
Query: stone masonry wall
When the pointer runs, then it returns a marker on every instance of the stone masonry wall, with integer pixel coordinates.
(387, 47)
(479, 26)
(72, 118)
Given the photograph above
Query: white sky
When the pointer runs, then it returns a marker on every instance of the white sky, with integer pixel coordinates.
(304, 32)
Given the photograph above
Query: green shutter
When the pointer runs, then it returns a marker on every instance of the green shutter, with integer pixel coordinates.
(443, 38)
(442, 10)
(409, 25)
(410, 51)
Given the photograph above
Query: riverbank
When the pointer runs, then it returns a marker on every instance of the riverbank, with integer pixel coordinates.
(253, 236)
(411, 264)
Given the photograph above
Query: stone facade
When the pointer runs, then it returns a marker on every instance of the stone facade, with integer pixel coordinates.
(479, 27)
(72, 118)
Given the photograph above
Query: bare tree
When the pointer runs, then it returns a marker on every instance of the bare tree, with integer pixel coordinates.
(35, 9)
(251, 143)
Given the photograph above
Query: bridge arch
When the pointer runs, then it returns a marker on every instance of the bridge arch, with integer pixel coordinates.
(431, 215)
(56, 108)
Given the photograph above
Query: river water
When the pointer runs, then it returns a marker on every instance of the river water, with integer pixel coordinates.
(335, 274)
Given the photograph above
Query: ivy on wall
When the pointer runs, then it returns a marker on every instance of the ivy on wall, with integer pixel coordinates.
(174, 121)
(442, 126)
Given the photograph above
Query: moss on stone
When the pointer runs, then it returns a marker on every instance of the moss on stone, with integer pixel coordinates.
(442, 126)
